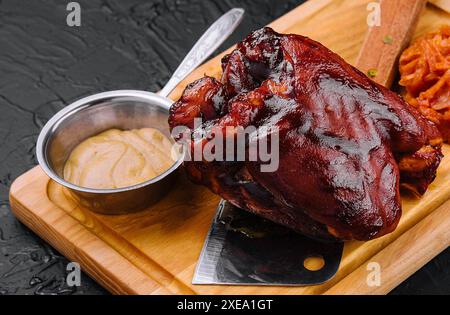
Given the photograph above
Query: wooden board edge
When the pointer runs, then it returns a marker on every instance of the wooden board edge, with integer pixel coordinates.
(401, 258)
(65, 233)
(65, 230)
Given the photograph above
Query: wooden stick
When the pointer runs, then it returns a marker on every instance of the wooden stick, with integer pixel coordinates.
(383, 44)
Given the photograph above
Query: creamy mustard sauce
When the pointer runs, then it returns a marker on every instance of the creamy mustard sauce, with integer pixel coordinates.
(119, 158)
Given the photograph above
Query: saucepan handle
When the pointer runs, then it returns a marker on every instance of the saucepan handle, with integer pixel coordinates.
(205, 46)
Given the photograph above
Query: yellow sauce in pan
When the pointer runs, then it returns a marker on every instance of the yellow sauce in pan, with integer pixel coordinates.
(119, 158)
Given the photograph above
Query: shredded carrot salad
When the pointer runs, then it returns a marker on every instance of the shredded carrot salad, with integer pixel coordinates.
(425, 76)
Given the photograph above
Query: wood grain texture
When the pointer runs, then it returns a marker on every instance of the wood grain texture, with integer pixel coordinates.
(155, 251)
(398, 260)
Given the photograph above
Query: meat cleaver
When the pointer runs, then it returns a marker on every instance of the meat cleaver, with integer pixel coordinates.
(244, 249)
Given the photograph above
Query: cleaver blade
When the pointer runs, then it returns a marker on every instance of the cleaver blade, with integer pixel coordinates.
(244, 249)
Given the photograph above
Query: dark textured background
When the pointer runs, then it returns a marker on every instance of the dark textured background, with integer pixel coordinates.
(44, 65)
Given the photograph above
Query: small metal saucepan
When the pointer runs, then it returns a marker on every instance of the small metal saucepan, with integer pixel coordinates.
(123, 109)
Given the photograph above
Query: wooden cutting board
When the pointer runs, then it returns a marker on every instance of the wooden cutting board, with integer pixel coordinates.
(155, 251)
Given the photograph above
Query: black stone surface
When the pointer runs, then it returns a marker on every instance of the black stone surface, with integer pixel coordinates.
(45, 65)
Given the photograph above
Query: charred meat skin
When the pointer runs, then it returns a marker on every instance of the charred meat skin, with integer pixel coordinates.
(346, 143)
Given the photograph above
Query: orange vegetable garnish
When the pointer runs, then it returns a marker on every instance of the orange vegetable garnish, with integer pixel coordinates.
(425, 74)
